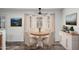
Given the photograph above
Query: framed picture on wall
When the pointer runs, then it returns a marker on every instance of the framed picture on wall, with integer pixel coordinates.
(71, 19)
(16, 22)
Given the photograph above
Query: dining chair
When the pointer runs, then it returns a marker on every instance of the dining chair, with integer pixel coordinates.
(30, 41)
(48, 40)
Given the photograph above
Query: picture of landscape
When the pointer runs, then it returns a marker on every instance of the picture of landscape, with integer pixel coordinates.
(16, 21)
(71, 19)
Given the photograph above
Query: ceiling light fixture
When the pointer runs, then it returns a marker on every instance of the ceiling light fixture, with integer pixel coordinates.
(39, 11)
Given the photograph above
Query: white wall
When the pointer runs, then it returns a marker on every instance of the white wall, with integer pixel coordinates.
(17, 33)
(68, 11)
(14, 33)
(58, 24)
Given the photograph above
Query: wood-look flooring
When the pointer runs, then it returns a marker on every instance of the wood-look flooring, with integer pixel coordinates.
(21, 46)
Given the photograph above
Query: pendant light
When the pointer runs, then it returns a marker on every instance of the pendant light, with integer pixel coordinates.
(39, 11)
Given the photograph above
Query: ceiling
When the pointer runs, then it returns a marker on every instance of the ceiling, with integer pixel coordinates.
(31, 9)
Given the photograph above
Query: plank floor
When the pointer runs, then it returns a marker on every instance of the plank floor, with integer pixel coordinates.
(21, 46)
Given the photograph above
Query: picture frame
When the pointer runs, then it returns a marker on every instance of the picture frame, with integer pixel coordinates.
(71, 19)
(16, 22)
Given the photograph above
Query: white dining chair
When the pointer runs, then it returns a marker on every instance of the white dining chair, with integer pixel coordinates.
(48, 40)
(30, 40)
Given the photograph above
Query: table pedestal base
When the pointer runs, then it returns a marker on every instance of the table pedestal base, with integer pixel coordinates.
(39, 44)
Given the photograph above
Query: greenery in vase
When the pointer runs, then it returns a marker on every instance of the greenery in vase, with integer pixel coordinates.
(71, 28)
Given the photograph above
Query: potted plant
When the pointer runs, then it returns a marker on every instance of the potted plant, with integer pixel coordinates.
(71, 29)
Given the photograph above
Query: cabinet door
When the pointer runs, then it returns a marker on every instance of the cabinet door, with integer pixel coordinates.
(75, 42)
(63, 41)
(69, 42)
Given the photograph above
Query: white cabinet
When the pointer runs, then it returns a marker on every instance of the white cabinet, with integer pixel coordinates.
(69, 41)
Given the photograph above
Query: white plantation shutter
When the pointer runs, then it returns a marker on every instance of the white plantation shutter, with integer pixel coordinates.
(48, 23)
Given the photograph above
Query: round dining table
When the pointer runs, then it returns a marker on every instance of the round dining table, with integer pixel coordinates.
(39, 40)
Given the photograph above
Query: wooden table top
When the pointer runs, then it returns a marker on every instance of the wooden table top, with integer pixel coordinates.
(74, 33)
(40, 33)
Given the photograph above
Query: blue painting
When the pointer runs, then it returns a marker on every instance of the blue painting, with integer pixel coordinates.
(16, 22)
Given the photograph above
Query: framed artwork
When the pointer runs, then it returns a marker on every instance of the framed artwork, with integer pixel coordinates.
(15, 22)
(71, 19)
